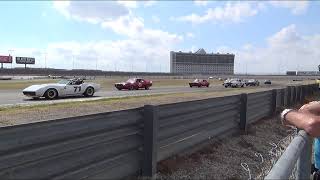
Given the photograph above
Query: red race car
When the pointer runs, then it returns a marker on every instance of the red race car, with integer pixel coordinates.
(199, 83)
(134, 83)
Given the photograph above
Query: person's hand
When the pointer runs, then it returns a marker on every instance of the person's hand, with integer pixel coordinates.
(311, 107)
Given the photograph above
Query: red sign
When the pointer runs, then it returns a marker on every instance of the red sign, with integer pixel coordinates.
(5, 59)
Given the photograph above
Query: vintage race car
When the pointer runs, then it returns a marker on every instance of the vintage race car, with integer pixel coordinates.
(66, 87)
(252, 82)
(199, 83)
(233, 83)
(267, 82)
(134, 83)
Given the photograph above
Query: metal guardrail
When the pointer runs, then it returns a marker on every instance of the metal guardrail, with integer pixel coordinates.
(297, 154)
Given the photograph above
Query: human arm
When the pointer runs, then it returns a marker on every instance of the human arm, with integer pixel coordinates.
(312, 107)
(306, 121)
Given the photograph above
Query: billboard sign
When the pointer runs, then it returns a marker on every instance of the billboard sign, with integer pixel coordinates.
(5, 59)
(25, 60)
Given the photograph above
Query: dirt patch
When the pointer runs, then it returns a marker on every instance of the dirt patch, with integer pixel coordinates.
(222, 159)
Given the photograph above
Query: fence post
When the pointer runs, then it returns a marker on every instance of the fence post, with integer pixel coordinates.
(274, 101)
(288, 95)
(294, 97)
(304, 91)
(283, 93)
(304, 161)
(285, 97)
(243, 112)
(150, 145)
(300, 94)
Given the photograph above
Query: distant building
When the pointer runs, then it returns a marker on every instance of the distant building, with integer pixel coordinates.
(201, 62)
(291, 73)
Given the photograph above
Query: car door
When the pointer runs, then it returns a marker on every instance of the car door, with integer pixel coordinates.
(73, 89)
(204, 83)
(139, 83)
(143, 83)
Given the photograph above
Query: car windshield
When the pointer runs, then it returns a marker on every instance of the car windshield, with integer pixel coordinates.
(196, 80)
(131, 80)
(64, 81)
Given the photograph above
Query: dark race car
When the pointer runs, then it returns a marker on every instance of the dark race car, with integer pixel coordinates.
(252, 82)
(134, 84)
(199, 83)
(267, 82)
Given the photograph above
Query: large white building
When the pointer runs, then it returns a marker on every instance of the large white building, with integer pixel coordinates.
(201, 62)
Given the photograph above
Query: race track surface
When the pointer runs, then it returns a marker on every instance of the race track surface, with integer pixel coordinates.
(15, 97)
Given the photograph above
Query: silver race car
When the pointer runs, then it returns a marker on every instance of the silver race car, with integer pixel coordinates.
(71, 87)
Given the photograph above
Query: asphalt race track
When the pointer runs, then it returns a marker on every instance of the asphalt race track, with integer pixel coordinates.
(15, 97)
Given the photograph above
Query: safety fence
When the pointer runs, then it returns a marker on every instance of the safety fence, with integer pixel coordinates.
(297, 156)
(131, 142)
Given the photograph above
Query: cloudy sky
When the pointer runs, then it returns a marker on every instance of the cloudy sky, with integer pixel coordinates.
(266, 36)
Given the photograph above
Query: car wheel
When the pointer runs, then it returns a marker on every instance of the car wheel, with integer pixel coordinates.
(89, 92)
(199, 86)
(190, 86)
(146, 88)
(131, 88)
(242, 85)
(51, 94)
(119, 89)
(207, 85)
(226, 86)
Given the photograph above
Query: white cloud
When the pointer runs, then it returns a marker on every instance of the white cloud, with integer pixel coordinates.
(149, 3)
(200, 2)
(92, 12)
(155, 19)
(142, 47)
(285, 50)
(190, 35)
(231, 12)
(287, 36)
(128, 4)
(296, 7)
(236, 12)
(121, 54)
(125, 25)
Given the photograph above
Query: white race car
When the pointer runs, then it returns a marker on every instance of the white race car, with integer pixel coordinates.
(71, 87)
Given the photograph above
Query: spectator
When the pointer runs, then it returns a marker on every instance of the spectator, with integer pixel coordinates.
(308, 119)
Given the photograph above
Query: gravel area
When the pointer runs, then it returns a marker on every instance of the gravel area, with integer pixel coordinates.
(222, 159)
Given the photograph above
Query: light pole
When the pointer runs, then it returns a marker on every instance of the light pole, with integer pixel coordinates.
(72, 61)
(131, 66)
(96, 63)
(10, 52)
(45, 60)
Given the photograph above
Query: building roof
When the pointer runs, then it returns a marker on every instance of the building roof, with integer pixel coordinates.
(201, 51)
